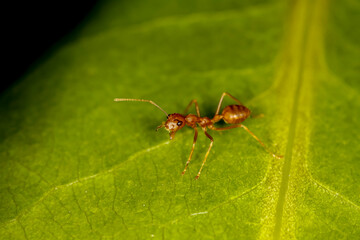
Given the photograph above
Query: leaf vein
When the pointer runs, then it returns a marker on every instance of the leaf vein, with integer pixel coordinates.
(111, 170)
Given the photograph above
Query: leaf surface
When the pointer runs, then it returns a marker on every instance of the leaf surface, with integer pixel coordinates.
(76, 165)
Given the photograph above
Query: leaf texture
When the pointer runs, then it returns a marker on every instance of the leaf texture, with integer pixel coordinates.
(76, 165)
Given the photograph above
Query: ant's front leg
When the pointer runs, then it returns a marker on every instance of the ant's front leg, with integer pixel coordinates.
(192, 150)
(196, 107)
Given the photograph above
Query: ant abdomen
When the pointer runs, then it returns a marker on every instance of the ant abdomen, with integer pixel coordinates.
(234, 114)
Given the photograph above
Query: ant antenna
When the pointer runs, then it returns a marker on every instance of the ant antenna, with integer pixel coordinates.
(139, 100)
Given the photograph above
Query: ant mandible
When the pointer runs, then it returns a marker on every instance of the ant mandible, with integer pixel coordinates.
(232, 114)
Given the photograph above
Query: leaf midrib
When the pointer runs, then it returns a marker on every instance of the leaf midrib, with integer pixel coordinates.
(303, 13)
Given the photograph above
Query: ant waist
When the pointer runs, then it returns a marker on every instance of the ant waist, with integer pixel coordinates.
(192, 120)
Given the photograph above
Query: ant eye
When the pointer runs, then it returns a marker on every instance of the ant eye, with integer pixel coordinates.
(179, 123)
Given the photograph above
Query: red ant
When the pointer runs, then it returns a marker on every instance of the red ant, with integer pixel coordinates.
(232, 114)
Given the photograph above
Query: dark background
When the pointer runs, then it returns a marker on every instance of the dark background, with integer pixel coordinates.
(31, 28)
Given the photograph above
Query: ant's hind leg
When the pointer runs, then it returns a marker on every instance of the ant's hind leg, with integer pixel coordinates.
(221, 99)
(206, 155)
(252, 134)
(196, 107)
(192, 150)
(262, 144)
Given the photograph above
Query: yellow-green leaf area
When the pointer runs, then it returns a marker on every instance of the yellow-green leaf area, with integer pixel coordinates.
(76, 165)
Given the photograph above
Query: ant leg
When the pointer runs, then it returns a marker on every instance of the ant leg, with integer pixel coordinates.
(207, 153)
(252, 134)
(221, 99)
(196, 107)
(161, 126)
(192, 150)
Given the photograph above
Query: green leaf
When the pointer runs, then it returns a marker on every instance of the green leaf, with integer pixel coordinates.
(76, 165)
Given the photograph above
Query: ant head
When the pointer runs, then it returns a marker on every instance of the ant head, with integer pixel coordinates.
(174, 123)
